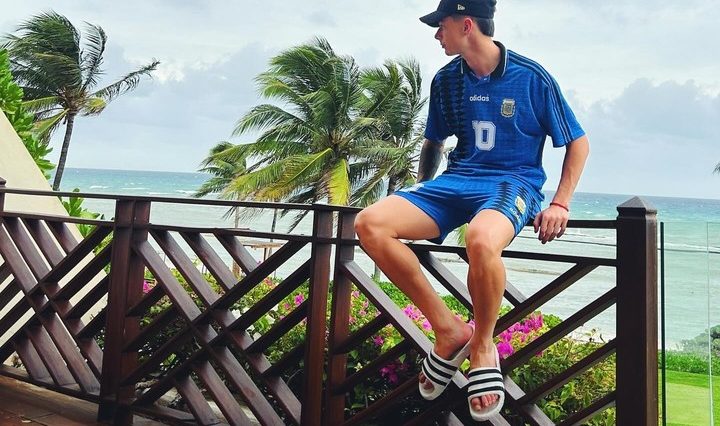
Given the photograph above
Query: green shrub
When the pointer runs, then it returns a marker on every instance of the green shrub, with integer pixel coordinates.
(558, 405)
(11, 96)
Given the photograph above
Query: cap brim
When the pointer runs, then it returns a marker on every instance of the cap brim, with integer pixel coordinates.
(433, 19)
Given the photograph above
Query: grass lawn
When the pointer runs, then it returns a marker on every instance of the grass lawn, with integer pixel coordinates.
(688, 399)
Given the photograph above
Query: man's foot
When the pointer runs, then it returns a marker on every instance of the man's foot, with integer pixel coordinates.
(483, 358)
(447, 344)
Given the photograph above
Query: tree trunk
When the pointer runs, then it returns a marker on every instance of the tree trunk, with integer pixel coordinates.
(64, 151)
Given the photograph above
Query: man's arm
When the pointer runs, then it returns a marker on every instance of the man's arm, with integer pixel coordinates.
(551, 222)
(430, 156)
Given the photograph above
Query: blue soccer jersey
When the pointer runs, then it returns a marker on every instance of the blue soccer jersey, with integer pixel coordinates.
(501, 120)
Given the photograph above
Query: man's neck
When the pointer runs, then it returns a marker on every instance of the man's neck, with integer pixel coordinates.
(483, 56)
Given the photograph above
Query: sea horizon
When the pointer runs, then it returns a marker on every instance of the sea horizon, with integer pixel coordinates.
(546, 191)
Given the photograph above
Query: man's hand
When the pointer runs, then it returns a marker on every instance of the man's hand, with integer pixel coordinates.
(551, 223)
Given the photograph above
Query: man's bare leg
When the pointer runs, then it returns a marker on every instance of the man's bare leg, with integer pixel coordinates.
(488, 234)
(379, 228)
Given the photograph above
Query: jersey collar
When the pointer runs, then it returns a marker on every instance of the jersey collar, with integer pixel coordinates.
(499, 71)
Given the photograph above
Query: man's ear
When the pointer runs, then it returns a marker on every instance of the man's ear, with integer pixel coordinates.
(467, 25)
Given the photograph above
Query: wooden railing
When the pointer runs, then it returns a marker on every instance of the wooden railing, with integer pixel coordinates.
(75, 308)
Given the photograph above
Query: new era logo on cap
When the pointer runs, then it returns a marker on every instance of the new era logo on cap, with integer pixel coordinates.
(477, 8)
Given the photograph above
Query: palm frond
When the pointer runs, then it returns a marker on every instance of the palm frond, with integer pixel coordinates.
(92, 55)
(126, 83)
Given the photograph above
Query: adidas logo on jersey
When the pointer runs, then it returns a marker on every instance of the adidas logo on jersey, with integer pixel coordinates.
(479, 98)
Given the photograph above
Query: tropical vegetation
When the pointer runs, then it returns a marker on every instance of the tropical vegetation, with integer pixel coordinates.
(331, 131)
(11, 96)
(59, 69)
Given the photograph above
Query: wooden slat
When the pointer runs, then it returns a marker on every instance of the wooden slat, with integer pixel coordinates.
(237, 250)
(50, 357)
(279, 328)
(148, 300)
(63, 235)
(77, 254)
(68, 349)
(8, 293)
(183, 303)
(543, 295)
(195, 400)
(362, 334)
(31, 359)
(94, 326)
(85, 275)
(590, 411)
(45, 241)
(531, 414)
(559, 331)
(453, 284)
(258, 274)
(384, 403)
(210, 259)
(149, 331)
(371, 368)
(89, 299)
(290, 358)
(574, 371)
(20, 270)
(222, 396)
(33, 257)
(4, 272)
(278, 388)
(273, 297)
(186, 267)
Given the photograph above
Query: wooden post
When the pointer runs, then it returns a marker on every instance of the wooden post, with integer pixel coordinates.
(311, 413)
(125, 290)
(637, 313)
(2, 194)
(339, 323)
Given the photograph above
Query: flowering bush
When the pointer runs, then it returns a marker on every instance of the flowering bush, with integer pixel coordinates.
(558, 405)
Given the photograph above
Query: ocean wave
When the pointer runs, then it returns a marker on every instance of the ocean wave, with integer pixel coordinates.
(158, 193)
(183, 191)
(134, 189)
(98, 187)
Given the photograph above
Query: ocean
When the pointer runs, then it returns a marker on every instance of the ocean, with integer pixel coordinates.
(690, 253)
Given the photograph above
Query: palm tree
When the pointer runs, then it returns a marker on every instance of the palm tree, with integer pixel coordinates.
(717, 168)
(59, 70)
(311, 148)
(393, 98)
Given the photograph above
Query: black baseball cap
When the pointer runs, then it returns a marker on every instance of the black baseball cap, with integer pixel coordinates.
(476, 8)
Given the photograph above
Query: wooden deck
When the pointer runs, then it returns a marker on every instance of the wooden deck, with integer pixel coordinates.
(24, 404)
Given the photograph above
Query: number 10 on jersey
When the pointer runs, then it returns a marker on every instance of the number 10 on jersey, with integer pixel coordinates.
(484, 134)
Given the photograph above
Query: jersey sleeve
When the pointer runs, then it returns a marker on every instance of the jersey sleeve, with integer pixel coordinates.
(436, 128)
(557, 118)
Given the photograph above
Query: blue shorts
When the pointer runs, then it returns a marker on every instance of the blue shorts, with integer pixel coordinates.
(453, 200)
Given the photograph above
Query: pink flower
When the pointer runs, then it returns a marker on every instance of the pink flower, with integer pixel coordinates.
(146, 287)
(286, 306)
(412, 312)
(426, 325)
(505, 349)
(378, 340)
(356, 294)
(299, 299)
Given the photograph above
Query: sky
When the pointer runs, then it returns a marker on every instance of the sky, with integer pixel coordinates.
(642, 77)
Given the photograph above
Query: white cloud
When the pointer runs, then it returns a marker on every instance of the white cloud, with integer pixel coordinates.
(642, 78)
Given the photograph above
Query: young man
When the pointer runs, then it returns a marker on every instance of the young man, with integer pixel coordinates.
(501, 107)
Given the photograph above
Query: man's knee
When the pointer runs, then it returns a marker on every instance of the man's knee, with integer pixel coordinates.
(481, 242)
(367, 223)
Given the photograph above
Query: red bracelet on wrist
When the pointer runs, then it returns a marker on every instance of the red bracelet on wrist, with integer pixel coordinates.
(562, 206)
